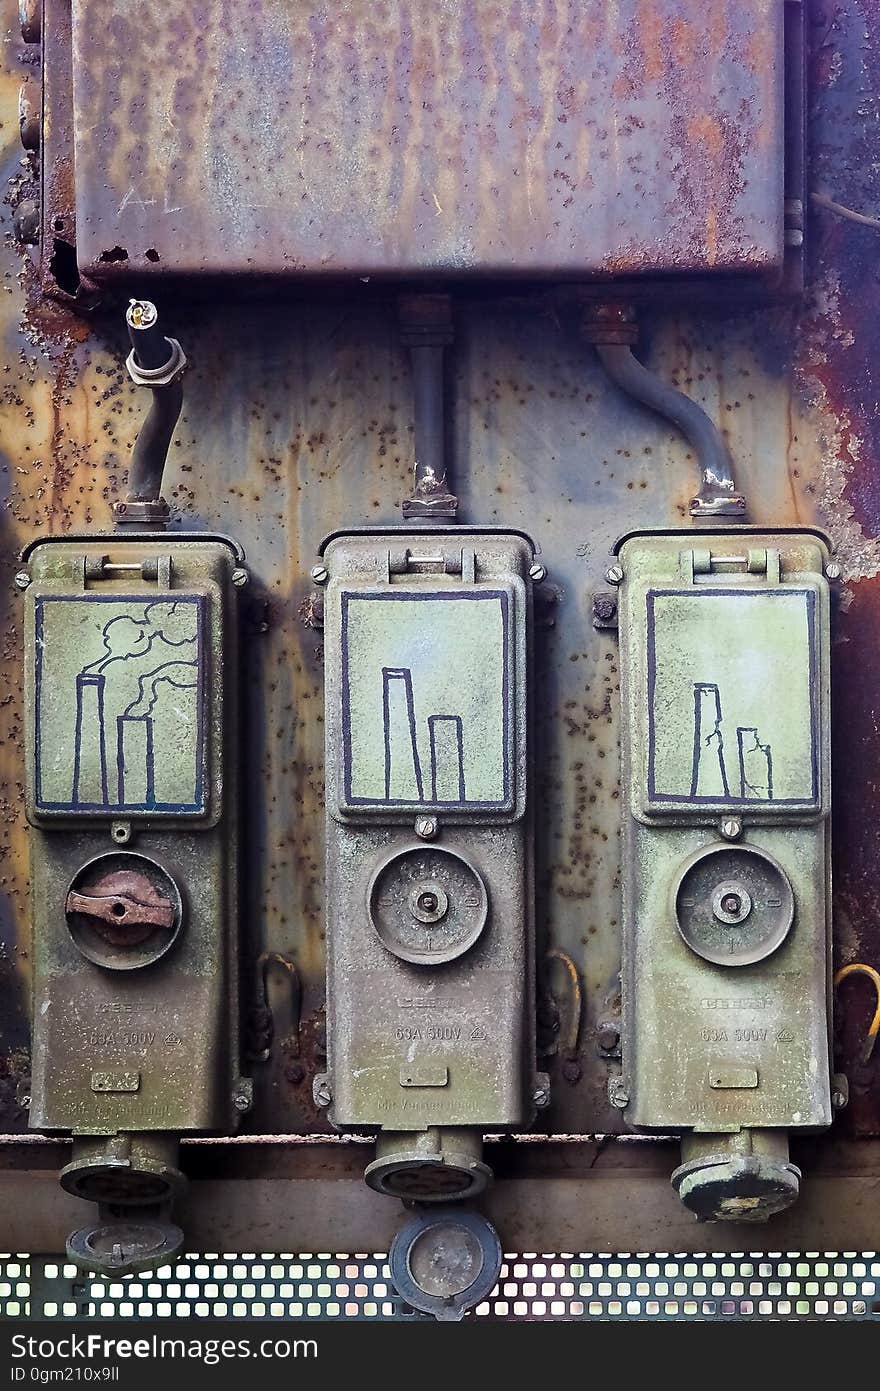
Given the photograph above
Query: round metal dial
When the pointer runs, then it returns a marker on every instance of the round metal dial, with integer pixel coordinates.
(124, 1246)
(445, 1263)
(427, 904)
(123, 910)
(733, 904)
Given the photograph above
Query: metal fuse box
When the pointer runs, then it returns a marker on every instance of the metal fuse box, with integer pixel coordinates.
(380, 138)
(130, 665)
(726, 736)
(429, 856)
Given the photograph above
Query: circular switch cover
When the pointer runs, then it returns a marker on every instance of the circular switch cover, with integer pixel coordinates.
(733, 904)
(124, 1246)
(123, 910)
(446, 1263)
(427, 904)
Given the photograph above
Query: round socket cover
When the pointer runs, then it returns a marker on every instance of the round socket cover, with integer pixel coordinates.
(428, 904)
(733, 904)
(123, 910)
(444, 1263)
(738, 1188)
(417, 1178)
(124, 1245)
(139, 1181)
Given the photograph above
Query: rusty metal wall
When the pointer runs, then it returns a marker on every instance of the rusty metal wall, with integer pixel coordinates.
(297, 421)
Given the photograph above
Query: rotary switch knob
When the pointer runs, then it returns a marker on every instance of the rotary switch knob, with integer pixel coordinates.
(427, 904)
(733, 904)
(123, 910)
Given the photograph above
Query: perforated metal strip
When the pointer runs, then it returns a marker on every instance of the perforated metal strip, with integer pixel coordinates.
(15, 1286)
(778, 1285)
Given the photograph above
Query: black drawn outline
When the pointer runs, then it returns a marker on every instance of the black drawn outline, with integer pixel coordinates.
(458, 726)
(809, 597)
(503, 598)
(757, 747)
(701, 741)
(95, 669)
(403, 674)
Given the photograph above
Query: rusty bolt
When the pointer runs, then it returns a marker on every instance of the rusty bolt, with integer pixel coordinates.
(614, 574)
(294, 1073)
(240, 576)
(321, 1092)
(608, 1036)
(320, 574)
(30, 103)
(537, 572)
(572, 1071)
(731, 827)
(22, 580)
(426, 827)
(604, 606)
(26, 221)
(833, 570)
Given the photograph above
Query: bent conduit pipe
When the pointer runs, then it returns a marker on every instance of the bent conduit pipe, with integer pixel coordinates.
(156, 362)
(613, 338)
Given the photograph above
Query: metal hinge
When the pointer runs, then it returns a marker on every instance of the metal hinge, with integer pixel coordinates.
(757, 560)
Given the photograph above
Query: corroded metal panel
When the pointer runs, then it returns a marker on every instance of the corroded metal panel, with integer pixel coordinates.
(554, 137)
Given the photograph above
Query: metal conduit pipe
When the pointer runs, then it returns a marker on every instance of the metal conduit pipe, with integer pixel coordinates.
(156, 362)
(613, 330)
(426, 329)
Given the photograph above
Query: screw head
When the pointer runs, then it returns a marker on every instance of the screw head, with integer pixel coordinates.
(608, 1037)
(243, 1096)
(617, 1095)
(240, 576)
(426, 827)
(614, 574)
(22, 580)
(537, 572)
(541, 1094)
(731, 827)
(833, 570)
(320, 574)
(321, 1092)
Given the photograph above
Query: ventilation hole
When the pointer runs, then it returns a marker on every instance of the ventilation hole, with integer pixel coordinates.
(117, 253)
(152, 254)
(63, 267)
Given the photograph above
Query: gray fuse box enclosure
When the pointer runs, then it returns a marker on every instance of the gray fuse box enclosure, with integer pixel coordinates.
(726, 790)
(429, 854)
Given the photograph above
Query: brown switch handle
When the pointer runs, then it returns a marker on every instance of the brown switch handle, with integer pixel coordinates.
(121, 910)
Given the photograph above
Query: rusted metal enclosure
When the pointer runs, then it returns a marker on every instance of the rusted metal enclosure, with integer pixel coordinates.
(460, 139)
(653, 144)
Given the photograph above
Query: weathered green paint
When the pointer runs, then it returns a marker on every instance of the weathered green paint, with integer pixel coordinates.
(726, 1031)
(173, 1024)
(414, 1042)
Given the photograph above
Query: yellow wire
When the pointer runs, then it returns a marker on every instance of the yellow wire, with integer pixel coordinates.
(858, 968)
(574, 1020)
